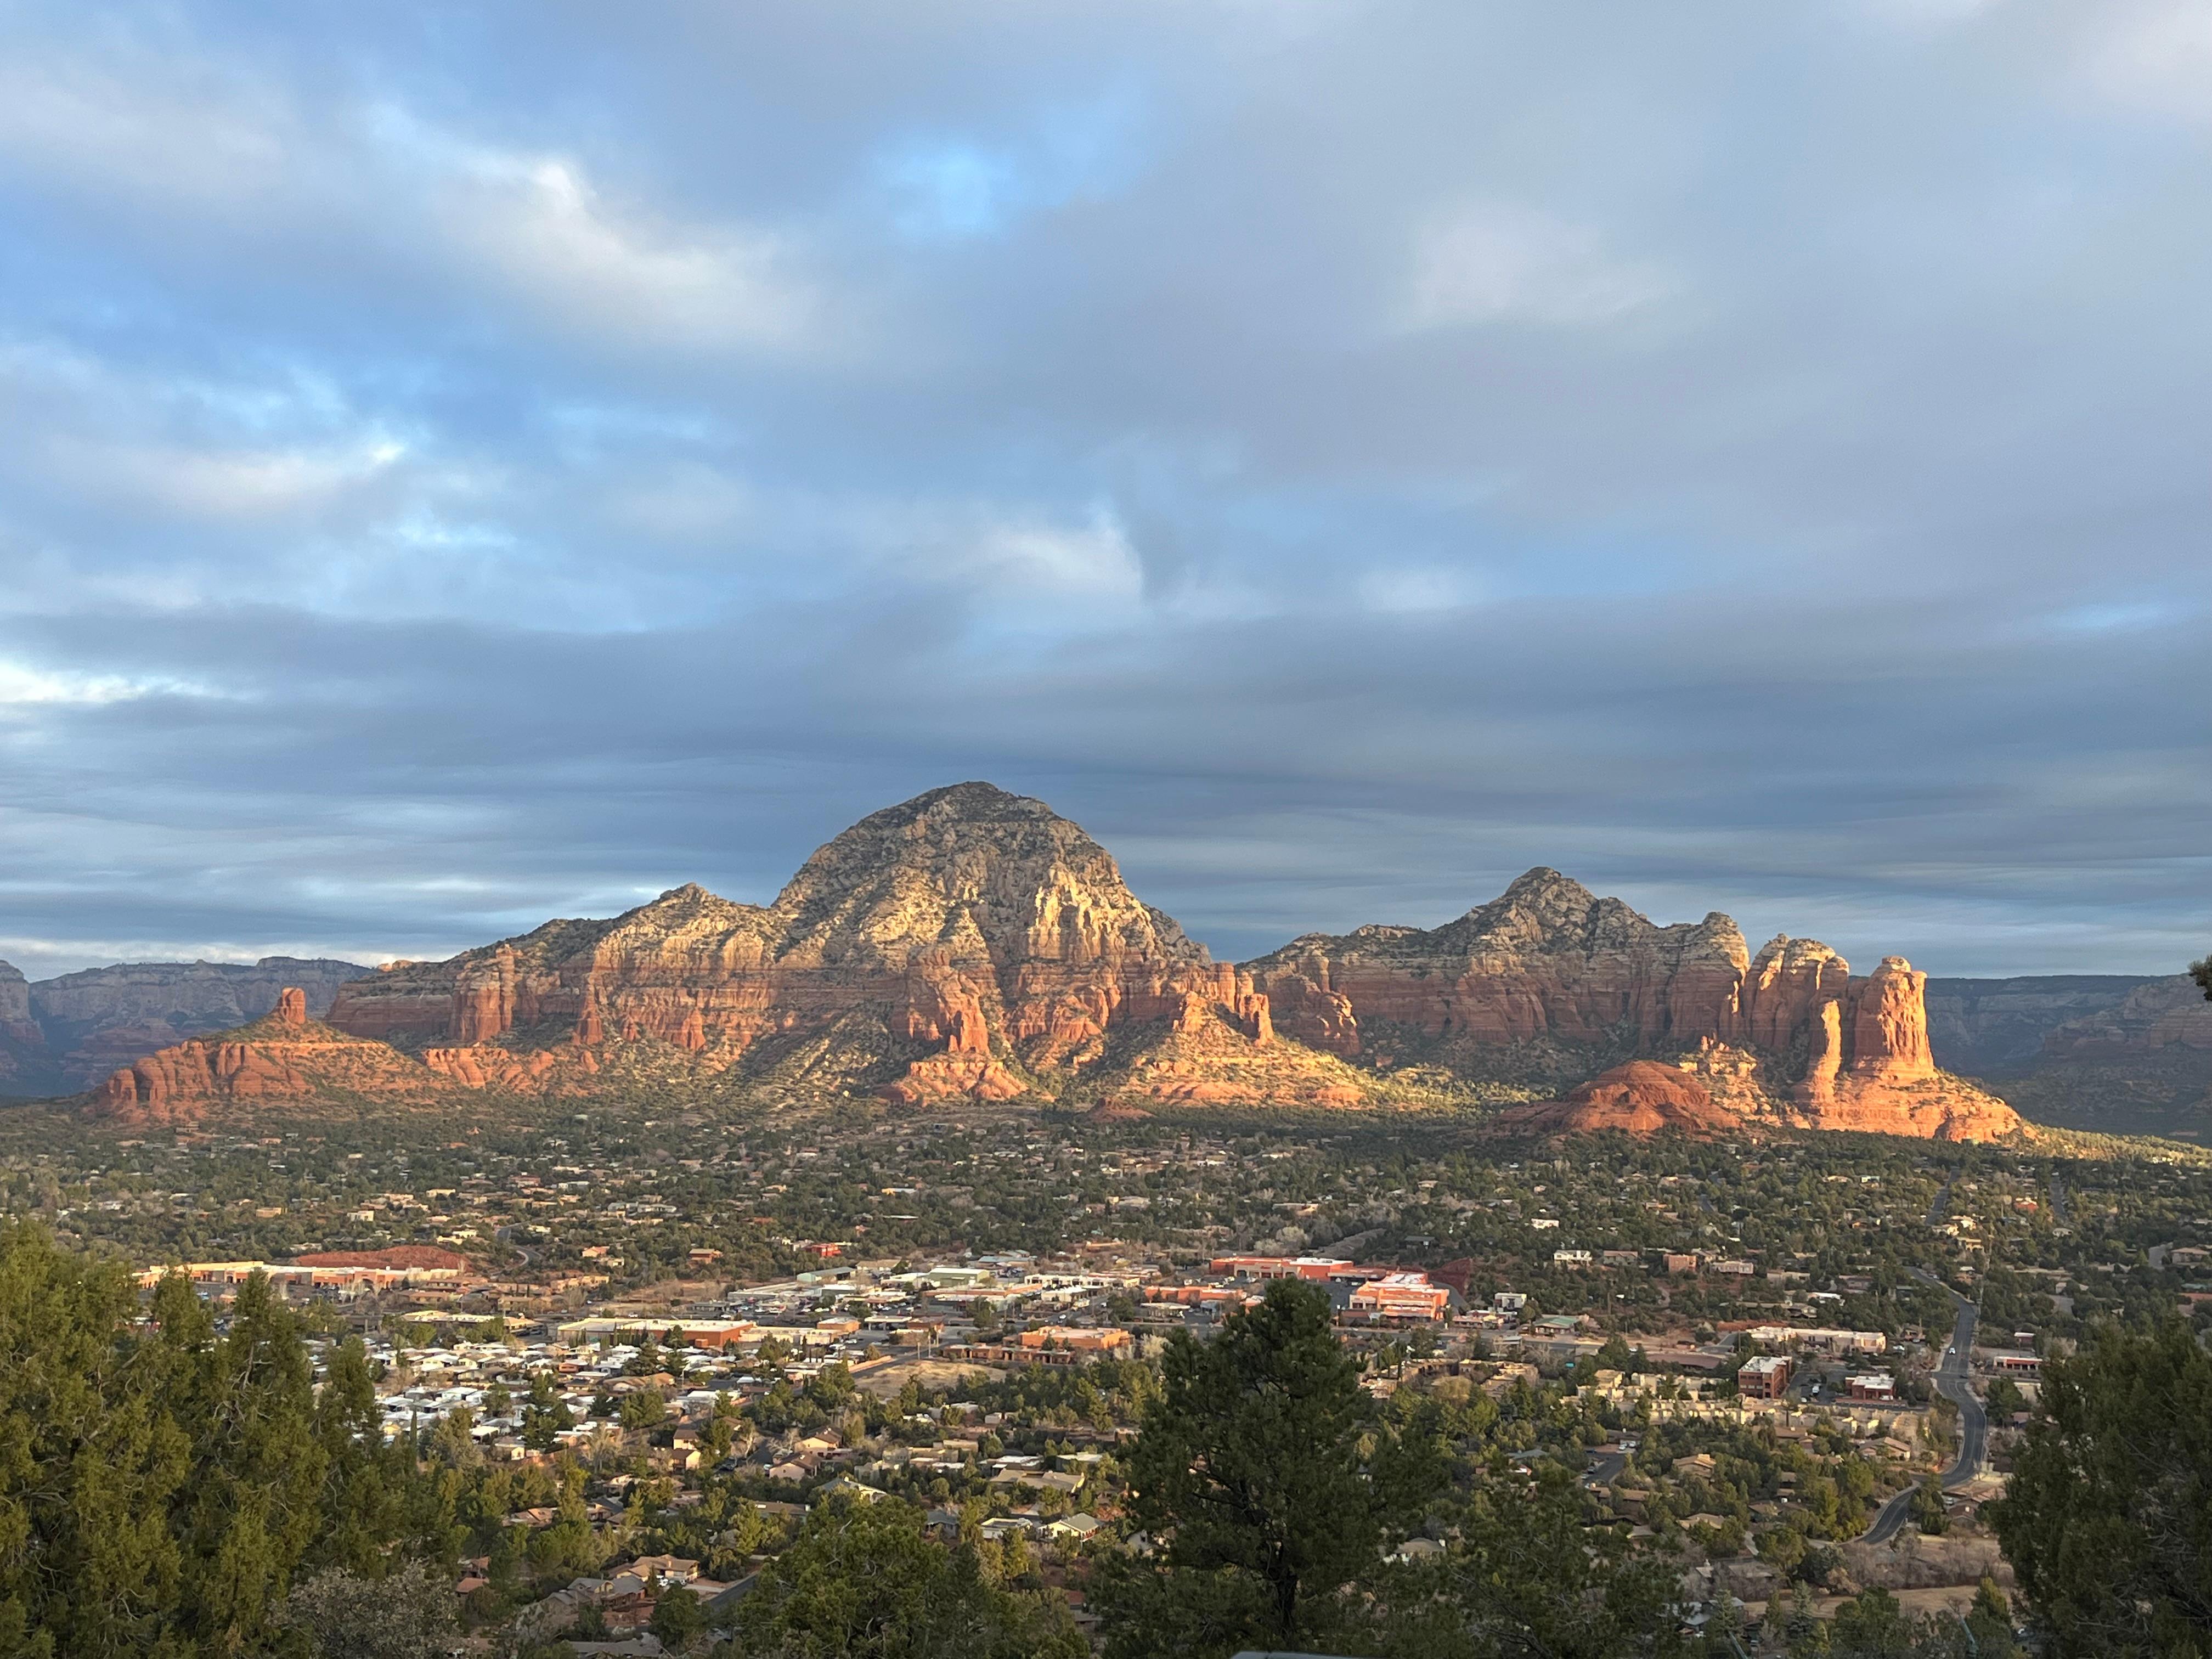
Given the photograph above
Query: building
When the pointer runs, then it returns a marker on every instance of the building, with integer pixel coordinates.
(1820, 1337)
(1077, 1338)
(1200, 1295)
(699, 1333)
(1766, 1377)
(1316, 1268)
(1871, 1385)
(330, 1277)
(1402, 1296)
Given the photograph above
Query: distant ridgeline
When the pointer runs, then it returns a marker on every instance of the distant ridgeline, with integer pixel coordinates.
(971, 945)
(63, 1036)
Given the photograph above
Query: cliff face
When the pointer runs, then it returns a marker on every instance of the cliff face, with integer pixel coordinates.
(1992, 1027)
(283, 1059)
(972, 945)
(25, 1063)
(1545, 966)
(2116, 1054)
(968, 944)
(81, 1026)
(2164, 1013)
(1549, 983)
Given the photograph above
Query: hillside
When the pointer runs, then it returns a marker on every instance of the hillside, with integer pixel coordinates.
(1549, 985)
(59, 1035)
(970, 945)
(2111, 1055)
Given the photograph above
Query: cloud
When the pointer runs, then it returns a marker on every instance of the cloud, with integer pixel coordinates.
(2153, 55)
(223, 153)
(1504, 263)
(539, 228)
(23, 687)
(456, 469)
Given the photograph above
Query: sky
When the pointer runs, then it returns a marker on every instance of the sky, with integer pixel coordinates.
(460, 465)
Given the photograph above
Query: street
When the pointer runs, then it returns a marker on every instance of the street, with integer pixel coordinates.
(1973, 1422)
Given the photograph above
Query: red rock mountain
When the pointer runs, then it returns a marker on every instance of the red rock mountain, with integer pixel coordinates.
(25, 1061)
(972, 945)
(1642, 1097)
(1549, 983)
(2141, 1064)
(62, 1035)
(969, 944)
(284, 1058)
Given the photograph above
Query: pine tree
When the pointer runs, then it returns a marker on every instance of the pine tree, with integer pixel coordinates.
(252, 1505)
(545, 1414)
(365, 1484)
(89, 1464)
(1265, 1467)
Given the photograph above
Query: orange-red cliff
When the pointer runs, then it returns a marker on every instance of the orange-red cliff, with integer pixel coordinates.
(282, 1058)
(969, 943)
(1549, 982)
(972, 944)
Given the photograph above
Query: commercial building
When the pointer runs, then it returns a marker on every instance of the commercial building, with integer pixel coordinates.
(1402, 1296)
(1316, 1268)
(1766, 1377)
(1820, 1337)
(1077, 1338)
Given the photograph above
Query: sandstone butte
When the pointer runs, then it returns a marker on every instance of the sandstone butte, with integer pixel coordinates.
(970, 945)
(1549, 982)
(281, 1059)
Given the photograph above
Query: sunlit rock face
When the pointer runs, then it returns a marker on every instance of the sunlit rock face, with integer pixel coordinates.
(1549, 983)
(972, 945)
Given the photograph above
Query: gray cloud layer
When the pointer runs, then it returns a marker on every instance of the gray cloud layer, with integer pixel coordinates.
(459, 468)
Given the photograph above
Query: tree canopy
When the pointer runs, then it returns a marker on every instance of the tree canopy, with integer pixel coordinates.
(159, 1482)
(1264, 1477)
(861, 1582)
(2108, 1521)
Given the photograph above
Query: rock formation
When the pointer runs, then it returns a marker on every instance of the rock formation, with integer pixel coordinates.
(81, 1026)
(968, 944)
(1549, 984)
(1540, 978)
(26, 1064)
(2140, 1065)
(1642, 1097)
(283, 1059)
(2165, 1013)
(1995, 1027)
(2120, 1054)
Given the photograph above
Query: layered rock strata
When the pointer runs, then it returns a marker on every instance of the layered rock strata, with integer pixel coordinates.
(970, 943)
(67, 1033)
(283, 1059)
(1549, 983)
(25, 1063)
(1994, 1027)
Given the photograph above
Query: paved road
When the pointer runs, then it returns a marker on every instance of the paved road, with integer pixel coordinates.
(2058, 1198)
(1942, 1197)
(1973, 1421)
